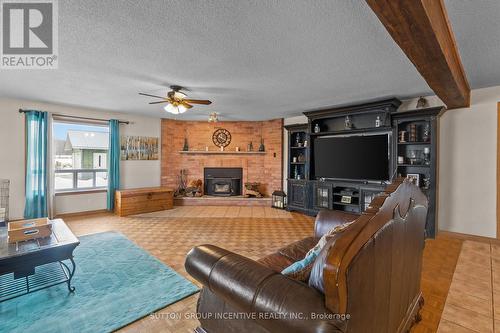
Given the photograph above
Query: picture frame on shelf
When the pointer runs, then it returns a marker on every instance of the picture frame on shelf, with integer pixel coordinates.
(414, 178)
(346, 199)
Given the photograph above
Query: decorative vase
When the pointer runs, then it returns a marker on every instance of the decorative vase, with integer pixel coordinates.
(262, 147)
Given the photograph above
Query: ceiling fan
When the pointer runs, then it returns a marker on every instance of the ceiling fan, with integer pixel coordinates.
(177, 101)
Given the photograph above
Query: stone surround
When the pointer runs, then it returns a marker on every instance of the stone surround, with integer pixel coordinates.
(266, 169)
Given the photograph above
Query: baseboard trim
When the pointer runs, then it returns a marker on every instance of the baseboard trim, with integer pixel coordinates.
(475, 238)
(84, 213)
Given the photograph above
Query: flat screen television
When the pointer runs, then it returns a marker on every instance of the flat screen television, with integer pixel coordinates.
(356, 157)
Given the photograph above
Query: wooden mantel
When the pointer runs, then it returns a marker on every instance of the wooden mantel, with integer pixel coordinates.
(224, 152)
(422, 30)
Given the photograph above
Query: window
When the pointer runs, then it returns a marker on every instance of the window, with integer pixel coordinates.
(80, 153)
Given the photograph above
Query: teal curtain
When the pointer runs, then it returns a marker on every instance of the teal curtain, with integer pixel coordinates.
(36, 164)
(113, 162)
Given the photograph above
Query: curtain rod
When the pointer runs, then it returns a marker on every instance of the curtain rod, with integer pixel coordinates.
(77, 117)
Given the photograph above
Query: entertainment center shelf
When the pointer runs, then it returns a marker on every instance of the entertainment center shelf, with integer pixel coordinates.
(413, 143)
(414, 165)
(411, 151)
(352, 131)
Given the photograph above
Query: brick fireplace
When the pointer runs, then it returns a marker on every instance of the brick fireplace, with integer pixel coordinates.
(266, 168)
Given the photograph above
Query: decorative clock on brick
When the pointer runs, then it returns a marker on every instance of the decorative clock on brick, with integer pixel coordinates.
(221, 137)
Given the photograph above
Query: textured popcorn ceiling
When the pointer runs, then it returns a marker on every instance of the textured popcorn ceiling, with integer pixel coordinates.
(254, 59)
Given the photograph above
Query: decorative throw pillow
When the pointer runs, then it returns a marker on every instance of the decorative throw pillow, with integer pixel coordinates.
(300, 270)
(316, 274)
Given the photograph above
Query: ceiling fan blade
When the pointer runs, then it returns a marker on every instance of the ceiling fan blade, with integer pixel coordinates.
(187, 105)
(159, 102)
(143, 94)
(198, 101)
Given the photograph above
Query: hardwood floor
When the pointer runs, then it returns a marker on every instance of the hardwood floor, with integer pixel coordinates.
(474, 297)
(440, 258)
(169, 239)
(221, 212)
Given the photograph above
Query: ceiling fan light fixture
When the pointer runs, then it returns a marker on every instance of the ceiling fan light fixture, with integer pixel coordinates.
(177, 102)
(181, 108)
(171, 108)
(175, 109)
(178, 95)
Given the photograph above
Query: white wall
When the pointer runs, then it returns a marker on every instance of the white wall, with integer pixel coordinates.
(467, 163)
(12, 159)
(467, 170)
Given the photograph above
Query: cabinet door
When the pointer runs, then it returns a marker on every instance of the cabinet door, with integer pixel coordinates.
(297, 195)
(322, 197)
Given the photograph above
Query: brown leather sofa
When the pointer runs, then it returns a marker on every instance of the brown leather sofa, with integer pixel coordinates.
(366, 279)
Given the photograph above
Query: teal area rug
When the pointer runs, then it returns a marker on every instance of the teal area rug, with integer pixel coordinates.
(116, 283)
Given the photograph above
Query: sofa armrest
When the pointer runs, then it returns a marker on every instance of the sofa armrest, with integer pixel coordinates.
(255, 289)
(328, 219)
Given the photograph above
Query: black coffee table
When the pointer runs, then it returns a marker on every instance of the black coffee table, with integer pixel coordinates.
(33, 265)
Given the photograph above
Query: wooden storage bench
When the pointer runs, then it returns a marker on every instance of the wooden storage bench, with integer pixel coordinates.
(143, 200)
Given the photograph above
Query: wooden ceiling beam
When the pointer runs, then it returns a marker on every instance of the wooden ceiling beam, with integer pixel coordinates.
(422, 30)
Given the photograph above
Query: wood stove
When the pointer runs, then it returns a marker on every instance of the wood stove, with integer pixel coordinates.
(223, 181)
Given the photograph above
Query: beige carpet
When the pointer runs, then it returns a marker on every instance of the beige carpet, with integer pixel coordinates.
(473, 302)
(221, 212)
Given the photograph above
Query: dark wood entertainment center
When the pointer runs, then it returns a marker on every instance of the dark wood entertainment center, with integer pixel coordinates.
(413, 150)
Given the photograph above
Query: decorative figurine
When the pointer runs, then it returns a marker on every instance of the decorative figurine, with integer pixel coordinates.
(426, 133)
(347, 122)
(186, 146)
(250, 146)
(316, 128)
(422, 102)
(378, 122)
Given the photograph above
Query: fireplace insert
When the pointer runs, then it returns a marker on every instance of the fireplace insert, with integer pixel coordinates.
(223, 181)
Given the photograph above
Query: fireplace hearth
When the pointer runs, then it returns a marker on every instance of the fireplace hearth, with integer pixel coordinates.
(223, 181)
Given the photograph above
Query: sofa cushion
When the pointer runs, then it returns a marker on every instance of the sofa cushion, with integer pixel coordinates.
(297, 250)
(276, 262)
